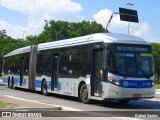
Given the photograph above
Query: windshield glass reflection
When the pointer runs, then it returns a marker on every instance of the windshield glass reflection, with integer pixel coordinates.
(132, 64)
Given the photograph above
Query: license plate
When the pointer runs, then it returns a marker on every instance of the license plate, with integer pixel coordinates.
(136, 95)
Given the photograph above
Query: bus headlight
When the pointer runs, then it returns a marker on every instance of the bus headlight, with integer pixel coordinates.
(113, 81)
(153, 83)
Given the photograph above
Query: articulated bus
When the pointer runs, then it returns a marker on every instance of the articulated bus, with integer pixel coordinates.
(99, 66)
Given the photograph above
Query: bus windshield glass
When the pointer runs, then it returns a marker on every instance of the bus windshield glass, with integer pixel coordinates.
(131, 64)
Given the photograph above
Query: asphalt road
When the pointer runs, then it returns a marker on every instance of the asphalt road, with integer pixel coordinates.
(96, 110)
(74, 102)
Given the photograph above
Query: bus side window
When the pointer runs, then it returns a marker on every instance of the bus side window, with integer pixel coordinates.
(64, 62)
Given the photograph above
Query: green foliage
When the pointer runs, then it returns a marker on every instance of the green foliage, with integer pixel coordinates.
(54, 30)
(157, 86)
(7, 45)
(58, 30)
(156, 52)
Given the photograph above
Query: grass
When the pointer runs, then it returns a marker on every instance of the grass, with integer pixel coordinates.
(7, 105)
(0, 77)
(158, 86)
(3, 104)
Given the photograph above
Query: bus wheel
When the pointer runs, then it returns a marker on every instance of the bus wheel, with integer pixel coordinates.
(11, 83)
(44, 88)
(123, 101)
(84, 94)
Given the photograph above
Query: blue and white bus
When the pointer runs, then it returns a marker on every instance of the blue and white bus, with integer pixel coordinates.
(98, 66)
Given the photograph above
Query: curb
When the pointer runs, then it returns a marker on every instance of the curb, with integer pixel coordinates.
(52, 106)
(28, 105)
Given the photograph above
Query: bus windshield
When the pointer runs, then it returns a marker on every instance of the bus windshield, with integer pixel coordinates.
(132, 64)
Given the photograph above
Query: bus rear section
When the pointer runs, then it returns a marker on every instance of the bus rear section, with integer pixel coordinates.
(19, 68)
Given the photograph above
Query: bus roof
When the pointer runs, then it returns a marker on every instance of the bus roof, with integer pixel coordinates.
(93, 38)
(19, 51)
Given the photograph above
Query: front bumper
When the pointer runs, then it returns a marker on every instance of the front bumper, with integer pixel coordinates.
(115, 92)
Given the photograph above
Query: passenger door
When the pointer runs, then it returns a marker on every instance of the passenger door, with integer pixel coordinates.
(21, 70)
(55, 71)
(96, 76)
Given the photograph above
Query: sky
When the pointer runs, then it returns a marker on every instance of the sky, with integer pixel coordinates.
(26, 17)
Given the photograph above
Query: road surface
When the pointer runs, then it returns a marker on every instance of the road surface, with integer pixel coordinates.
(73, 104)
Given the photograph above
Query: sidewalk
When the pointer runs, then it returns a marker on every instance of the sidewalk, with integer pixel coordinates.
(27, 103)
(21, 103)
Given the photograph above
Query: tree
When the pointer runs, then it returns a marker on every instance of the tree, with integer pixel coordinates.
(9, 44)
(3, 34)
(156, 52)
(58, 30)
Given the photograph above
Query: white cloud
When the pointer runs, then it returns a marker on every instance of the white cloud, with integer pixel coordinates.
(37, 11)
(103, 17)
(117, 26)
(141, 29)
(16, 31)
(41, 6)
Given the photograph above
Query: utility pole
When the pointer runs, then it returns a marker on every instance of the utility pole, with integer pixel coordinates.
(23, 33)
(130, 4)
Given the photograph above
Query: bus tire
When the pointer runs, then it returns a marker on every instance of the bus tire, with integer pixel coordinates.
(84, 94)
(123, 101)
(11, 83)
(44, 88)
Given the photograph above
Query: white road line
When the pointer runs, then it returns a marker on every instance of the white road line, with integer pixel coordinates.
(63, 107)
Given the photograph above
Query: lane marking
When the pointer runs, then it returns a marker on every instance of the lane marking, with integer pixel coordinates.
(63, 107)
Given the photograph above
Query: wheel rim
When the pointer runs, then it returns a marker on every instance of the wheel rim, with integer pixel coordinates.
(10, 83)
(84, 94)
(44, 88)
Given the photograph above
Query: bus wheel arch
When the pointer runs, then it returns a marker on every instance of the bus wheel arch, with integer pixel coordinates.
(44, 88)
(83, 92)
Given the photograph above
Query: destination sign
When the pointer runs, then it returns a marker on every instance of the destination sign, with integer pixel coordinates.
(135, 49)
(130, 48)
